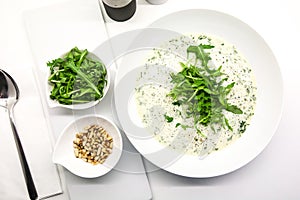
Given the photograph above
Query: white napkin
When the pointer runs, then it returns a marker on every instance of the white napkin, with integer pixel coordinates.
(52, 31)
(33, 131)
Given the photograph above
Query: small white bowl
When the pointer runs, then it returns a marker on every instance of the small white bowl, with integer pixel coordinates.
(64, 151)
(53, 103)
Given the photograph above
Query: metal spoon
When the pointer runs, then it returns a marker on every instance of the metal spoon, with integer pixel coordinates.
(9, 95)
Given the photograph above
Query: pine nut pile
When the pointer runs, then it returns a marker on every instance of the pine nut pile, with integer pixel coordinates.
(93, 145)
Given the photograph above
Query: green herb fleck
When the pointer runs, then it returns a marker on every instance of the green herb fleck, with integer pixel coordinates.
(168, 118)
(243, 126)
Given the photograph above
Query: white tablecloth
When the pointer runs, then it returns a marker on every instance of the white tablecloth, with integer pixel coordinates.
(274, 173)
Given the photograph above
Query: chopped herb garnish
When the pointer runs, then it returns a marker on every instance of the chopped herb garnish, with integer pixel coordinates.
(176, 103)
(184, 127)
(230, 138)
(243, 126)
(178, 124)
(168, 118)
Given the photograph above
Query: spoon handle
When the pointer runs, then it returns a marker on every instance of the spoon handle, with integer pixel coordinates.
(26, 171)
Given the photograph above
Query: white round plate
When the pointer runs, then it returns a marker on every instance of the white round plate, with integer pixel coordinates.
(269, 97)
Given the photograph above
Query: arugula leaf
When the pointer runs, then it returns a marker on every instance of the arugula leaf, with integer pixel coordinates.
(200, 53)
(234, 109)
(202, 91)
(227, 124)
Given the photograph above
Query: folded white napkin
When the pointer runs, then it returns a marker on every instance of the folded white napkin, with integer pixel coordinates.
(33, 131)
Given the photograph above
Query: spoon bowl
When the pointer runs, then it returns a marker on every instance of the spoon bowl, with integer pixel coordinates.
(9, 91)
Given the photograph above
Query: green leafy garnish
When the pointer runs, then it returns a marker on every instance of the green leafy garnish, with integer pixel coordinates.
(202, 92)
(76, 78)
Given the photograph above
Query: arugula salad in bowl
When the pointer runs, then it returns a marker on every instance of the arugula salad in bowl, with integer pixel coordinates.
(77, 80)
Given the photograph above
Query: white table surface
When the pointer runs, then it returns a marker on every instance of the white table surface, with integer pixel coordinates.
(274, 174)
